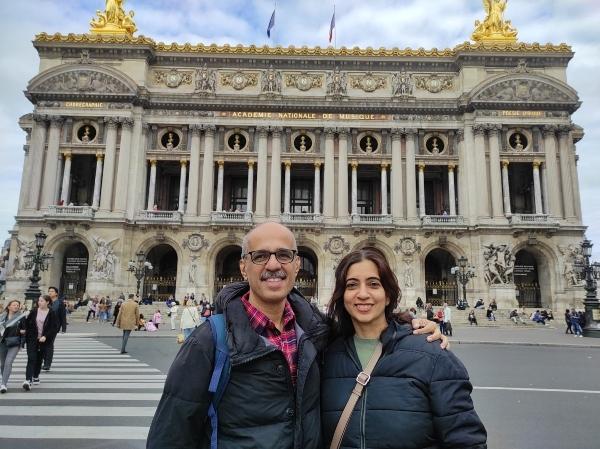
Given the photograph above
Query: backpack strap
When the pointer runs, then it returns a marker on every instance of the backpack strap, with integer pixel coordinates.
(221, 371)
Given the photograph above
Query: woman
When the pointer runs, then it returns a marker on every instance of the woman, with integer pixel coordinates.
(418, 395)
(189, 318)
(12, 329)
(472, 318)
(41, 328)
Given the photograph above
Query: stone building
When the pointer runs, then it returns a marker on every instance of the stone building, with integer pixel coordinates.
(175, 151)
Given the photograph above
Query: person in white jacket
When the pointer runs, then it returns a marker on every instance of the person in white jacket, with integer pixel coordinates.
(173, 314)
(189, 318)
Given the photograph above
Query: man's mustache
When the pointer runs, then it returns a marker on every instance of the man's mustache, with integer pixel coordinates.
(279, 274)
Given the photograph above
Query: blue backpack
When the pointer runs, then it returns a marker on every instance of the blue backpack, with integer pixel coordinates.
(221, 371)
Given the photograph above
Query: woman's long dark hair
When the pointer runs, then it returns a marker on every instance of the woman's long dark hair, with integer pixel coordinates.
(336, 312)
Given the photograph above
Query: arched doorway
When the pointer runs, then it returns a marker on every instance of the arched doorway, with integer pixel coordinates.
(527, 280)
(74, 271)
(227, 267)
(306, 281)
(440, 285)
(161, 282)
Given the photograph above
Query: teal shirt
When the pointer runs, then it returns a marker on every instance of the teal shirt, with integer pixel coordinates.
(365, 348)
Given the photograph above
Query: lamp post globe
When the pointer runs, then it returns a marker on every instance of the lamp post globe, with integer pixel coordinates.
(37, 261)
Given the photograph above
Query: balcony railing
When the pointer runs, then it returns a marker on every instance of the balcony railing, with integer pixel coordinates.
(231, 217)
(371, 219)
(301, 218)
(70, 212)
(443, 220)
(532, 220)
(159, 216)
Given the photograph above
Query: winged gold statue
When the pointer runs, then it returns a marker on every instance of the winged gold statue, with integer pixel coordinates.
(494, 28)
(113, 20)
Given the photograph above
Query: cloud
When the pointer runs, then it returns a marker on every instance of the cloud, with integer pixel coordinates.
(376, 23)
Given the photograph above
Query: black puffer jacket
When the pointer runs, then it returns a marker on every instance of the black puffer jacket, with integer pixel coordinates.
(260, 407)
(418, 396)
(49, 330)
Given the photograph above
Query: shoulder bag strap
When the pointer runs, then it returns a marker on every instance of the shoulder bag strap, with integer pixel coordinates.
(362, 380)
(220, 374)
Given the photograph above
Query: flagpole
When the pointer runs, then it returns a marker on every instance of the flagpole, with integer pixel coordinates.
(335, 31)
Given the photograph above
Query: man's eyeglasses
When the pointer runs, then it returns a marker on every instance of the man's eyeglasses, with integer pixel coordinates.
(262, 256)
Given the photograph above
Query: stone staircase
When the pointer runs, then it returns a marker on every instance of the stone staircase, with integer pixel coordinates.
(80, 314)
(460, 318)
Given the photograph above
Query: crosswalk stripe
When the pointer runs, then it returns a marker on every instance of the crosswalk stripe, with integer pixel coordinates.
(92, 386)
(75, 432)
(71, 364)
(97, 370)
(102, 377)
(67, 410)
(87, 397)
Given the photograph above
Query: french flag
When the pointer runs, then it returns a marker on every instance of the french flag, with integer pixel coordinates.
(332, 26)
(271, 24)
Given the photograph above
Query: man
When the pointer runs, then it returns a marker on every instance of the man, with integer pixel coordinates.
(447, 320)
(128, 319)
(275, 337)
(60, 311)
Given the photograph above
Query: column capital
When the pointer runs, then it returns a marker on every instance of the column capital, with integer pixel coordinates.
(40, 118)
(410, 132)
(564, 130)
(183, 162)
(421, 166)
(126, 122)
(493, 128)
(262, 131)
(287, 163)
(451, 167)
(99, 156)
(460, 135)
(276, 130)
(384, 165)
(251, 164)
(479, 129)
(329, 132)
(505, 162)
(111, 122)
(396, 134)
(56, 120)
(549, 130)
(195, 129)
(210, 130)
(67, 154)
(221, 163)
(343, 131)
(354, 164)
(153, 162)
(317, 164)
(536, 164)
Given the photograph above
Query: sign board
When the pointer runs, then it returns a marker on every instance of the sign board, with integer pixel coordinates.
(596, 314)
(154, 286)
(75, 264)
(523, 270)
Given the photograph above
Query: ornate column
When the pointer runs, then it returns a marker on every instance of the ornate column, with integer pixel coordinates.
(342, 206)
(384, 193)
(354, 166)
(286, 198)
(506, 188)
(250, 199)
(329, 176)
(123, 174)
(451, 190)
(565, 171)
(97, 180)
(208, 170)
(275, 190)
(463, 173)
(110, 155)
(152, 185)
(544, 180)
(66, 180)
(576, 193)
(317, 191)
(136, 194)
(36, 154)
(220, 173)
(396, 176)
(422, 210)
(58, 183)
(481, 187)
(537, 190)
(182, 184)
(495, 176)
(554, 197)
(411, 188)
(468, 167)
(51, 168)
(192, 201)
(261, 173)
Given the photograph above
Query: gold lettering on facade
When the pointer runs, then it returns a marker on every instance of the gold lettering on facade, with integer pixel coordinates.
(83, 104)
(522, 113)
(303, 116)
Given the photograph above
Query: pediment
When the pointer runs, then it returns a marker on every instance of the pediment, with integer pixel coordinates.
(78, 79)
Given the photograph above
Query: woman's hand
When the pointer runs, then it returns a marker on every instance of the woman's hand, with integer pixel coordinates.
(22, 331)
(42, 339)
(422, 326)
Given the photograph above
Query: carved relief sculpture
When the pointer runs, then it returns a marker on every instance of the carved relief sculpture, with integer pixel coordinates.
(409, 276)
(19, 265)
(103, 265)
(206, 80)
(572, 260)
(337, 84)
(338, 247)
(522, 90)
(303, 81)
(172, 78)
(239, 80)
(83, 81)
(434, 83)
(195, 242)
(499, 264)
(402, 84)
(368, 82)
(494, 28)
(407, 246)
(113, 20)
(270, 82)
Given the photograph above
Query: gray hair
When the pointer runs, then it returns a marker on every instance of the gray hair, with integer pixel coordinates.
(245, 240)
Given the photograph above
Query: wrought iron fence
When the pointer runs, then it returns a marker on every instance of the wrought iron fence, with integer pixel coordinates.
(529, 295)
(439, 292)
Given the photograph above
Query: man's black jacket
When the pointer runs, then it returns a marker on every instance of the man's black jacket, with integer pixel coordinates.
(260, 408)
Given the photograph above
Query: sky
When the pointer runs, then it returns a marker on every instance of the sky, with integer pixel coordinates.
(374, 23)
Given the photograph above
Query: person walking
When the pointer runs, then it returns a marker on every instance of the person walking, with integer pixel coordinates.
(41, 328)
(92, 308)
(116, 312)
(189, 318)
(12, 332)
(173, 315)
(576, 324)
(60, 311)
(568, 322)
(447, 320)
(128, 320)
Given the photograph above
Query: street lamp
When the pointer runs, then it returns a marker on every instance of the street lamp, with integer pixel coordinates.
(139, 268)
(463, 273)
(592, 306)
(37, 260)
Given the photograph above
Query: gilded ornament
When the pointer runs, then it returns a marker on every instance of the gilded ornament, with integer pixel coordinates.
(113, 20)
(303, 81)
(368, 82)
(172, 78)
(494, 28)
(239, 80)
(434, 83)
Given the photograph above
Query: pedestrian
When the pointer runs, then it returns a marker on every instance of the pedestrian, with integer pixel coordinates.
(189, 318)
(41, 328)
(102, 318)
(12, 333)
(92, 307)
(116, 312)
(439, 318)
(419, 396)
(58, 306)
(157, 318)
(472, 318)
(274, 337)
(447, 320)
(568, 322)
(173, 315)
(128, 319)
(576, 324)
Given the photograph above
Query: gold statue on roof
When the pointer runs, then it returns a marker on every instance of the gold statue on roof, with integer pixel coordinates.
(494, 28)
(113, 20)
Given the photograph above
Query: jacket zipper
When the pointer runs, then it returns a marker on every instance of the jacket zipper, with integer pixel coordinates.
(363, 420)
